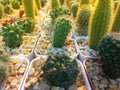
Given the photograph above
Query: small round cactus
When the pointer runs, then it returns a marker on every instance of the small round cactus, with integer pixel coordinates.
(60, 70)
(109, 50)
(15, 4)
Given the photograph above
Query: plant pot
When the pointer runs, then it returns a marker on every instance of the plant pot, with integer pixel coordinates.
(34, 80)
(98, 80)
(83, 48)
(16, 78)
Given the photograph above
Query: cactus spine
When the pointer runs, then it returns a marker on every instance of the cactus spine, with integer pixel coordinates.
(116, 21)
(1, 10)
(99, 22)
(62, 28)
(29, 6)
(55, 4)
(38, 3)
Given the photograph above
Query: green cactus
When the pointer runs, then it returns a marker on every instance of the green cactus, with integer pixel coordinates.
(82, 19)
(109, 50)
(5, 2)
(74, 8)
(8, 9)
(15, 4)
(58, 66)
(82, 2)
(99, 22)
(57, 12)
(55, 4)
(38, 3)
(5, 67)
(43, 2)
(30, 8)
(62, 28)
(1, 11)
(116, 21)
(12, 36)
(62, 2)
(26, 24)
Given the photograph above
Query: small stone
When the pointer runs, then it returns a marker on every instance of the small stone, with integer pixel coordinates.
(72, 87)
(96, 88)
(44, 86)
(21, 70)
(118, 80)
(104, 81)
(113, 81)
(31, 72)
(33, 80)
(7, 87)
(13, 83)
(103, 86)
(27, 85)
(96, 83)
(36, 86)
(36, 73)
(113, 86)
(61, 89)
(82, 88)
(15, 60)
(55, 88)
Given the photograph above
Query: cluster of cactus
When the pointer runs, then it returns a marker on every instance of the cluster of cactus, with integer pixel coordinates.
(5, 67)
(43, 2)
(99, 22)
(15, 4)
(12, 35)
(109, 50)
(1, 11)
(116, 21)
(82, 19)
(55, 4)
(26, 24)
(38, 3)
(30, 8)
(62, 28)
(57, 12)
(74, 8)
(60, 70)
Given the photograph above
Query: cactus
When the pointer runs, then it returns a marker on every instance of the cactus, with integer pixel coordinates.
(116, 21)
(26, 24)
(4, 67)
(62, 28)
(1, 10)
(74, 8)
(15, 4)
(7, 9)
(82, 19)
(12, 36)
(5, 2)
(62, 2)
(99, 22)
(30, 8)
(38, 3)
(57, 12)
(55, 4)
(58, 66)
(43, 2)
(82, 2)
(109, 50)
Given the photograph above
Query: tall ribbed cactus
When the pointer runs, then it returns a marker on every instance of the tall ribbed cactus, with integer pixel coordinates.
(99, 22)
(1, 10)
(116, 21)
(29, 7)
(84, 2)
(38, 3)
(55, 3)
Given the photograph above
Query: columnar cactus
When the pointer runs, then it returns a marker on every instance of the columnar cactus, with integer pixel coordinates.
(99, 22)
(116, 21)
(15, 4)
(1, 10)
(74, 8)
(12, 36)
(62, 2)
(109, 50)
(38, 3)
(29, 7)
(62, 28)
(55, 4)
(82, 19)
(60, 70)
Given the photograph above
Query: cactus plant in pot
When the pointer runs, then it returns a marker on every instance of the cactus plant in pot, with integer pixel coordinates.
(105, 74)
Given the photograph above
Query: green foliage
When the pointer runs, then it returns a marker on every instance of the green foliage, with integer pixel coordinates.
(109, 50)
(99, 22)
(26, 24)
(12, 35)
(30, 8)
(15, 4)
(82, 19)
(1, 10)
(62, 28)
(57, 12)
(38, 3)
(55, 4)
(43, 2)
(60, 70)
(4, 67)
(116, 23)
(74, 8)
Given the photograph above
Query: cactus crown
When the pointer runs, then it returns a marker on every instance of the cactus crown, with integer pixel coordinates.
(26, 24)
(109, 50)
(59, 66)
(1, 10)
(12, 36)
(62, 28)
(57, 12)
(15, 4)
